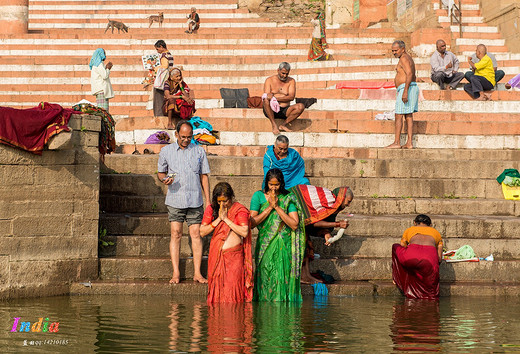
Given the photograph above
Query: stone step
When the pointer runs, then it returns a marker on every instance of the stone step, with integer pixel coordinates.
(306, 80)
(132, 15)
(475, 29)
(381, 268)
(353, 269)
(371, 205)
(240, 167)
(140, 21)
(347, 246)
(207, 96)
(485, 227)
(474, 42)
(350, 140)
(465, 7)
(471, 48)
(356, 105)
(306, 152)
(316, 125)
(365, 186)
(131, 60)
(143, 164)
(122, 5)
(240, 119)
(191, 42)
(340, 288)
(192, 73)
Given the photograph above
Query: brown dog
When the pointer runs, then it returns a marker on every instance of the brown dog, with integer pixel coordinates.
(119, 25)
(156, 18)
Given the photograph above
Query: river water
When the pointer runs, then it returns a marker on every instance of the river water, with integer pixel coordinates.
(161, 324)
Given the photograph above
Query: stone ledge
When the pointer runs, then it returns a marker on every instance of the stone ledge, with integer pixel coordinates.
(344, 288)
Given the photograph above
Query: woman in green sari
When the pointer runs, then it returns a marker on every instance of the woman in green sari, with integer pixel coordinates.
(281, 241)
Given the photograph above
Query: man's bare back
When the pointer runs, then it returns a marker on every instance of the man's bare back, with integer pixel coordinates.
(405, 66)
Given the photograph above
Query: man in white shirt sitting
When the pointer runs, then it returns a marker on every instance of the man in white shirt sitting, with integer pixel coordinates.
(445, 66)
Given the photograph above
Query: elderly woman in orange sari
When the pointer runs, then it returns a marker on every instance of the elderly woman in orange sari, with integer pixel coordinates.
(230, 267)
(179, 100)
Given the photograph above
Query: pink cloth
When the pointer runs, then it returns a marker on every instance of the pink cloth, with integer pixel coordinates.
(365, 84)
(275, 106)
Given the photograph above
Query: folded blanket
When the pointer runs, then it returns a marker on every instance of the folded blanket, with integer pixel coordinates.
(365, 84)
(30, 129)
(234, 98)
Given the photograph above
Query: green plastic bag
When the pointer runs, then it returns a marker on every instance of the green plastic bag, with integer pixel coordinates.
(465, 252)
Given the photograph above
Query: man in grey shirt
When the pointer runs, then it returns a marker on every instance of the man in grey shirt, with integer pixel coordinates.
(445, 66)
(499, 74)
(184, 168)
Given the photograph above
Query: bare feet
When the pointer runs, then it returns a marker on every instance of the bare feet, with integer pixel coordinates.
(309, 280)
(407, 146)
(284, 128)
(450, 88)
(482, 97)
(175, 280)
(200, 280)
(487, 96)
(393, 146)
(276, 131)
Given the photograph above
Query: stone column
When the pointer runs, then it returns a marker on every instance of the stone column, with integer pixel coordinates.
(14, 16)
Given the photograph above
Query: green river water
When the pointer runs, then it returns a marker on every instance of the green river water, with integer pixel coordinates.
(162, 324)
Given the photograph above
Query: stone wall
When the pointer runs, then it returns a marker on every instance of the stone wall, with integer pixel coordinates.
(49, 212)
(412, 15)
(505, 14)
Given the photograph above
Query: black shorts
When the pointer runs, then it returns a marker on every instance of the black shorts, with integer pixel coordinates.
(279, 115)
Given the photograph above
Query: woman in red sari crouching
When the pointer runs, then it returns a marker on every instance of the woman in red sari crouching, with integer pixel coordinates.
(230, 267)
(415, 261)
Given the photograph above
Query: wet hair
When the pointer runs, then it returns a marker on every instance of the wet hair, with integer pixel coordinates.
(423, 219)
(181, 123)
(400, 43)
(278, 174)
(284, 65)
(160, 43)
(282, 139)
(221, 189)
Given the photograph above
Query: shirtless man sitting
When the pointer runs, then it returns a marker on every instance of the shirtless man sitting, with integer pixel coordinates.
(407, 100)
(283, 89)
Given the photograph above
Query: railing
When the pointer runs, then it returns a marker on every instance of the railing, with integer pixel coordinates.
(454, 13)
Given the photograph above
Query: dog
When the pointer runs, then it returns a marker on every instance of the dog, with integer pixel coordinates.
(156, 18)
(116, 24)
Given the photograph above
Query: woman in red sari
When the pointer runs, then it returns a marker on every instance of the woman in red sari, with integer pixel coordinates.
(415, 261)
(230, 267)
(178, 98)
